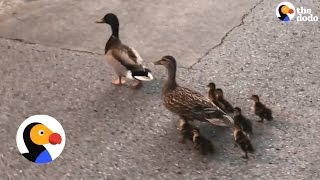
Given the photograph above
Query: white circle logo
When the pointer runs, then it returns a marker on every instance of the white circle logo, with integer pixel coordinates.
(41, 139)
(285, 11)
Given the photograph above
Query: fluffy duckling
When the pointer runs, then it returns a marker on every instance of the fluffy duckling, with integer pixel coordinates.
(242, 140)
(260, 109)
(185, 130)
(188, 104)
(222, 103)
(212, 93)
(125, 60)
(201, 143)
(244, 123)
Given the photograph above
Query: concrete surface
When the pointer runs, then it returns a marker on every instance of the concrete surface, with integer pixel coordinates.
(117, 133)
(9, 5)
(161, 27)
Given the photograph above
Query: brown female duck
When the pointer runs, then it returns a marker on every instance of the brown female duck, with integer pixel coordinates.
(188, 104)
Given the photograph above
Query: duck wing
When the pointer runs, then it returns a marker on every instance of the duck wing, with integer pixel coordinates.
(193, 105)
(131, 61)
(127, 57)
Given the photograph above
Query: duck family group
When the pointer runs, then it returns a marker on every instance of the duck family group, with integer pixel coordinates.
(188, 104)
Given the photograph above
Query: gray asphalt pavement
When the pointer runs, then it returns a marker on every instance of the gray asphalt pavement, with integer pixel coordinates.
(51, 62)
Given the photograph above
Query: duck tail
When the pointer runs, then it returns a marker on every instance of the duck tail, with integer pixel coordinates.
(224, 121)
(212, 112)
(228, 120)
(141, 75)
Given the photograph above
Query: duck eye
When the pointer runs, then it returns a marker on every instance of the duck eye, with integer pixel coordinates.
(41, 132)
(164, 60)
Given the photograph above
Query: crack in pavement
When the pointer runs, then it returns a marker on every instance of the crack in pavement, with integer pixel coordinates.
(187, 68)
(33, 43)
(226, 35)
(100, 54)
(65, 49)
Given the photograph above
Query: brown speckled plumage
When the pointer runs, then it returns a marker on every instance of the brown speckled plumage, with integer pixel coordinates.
(188, 104)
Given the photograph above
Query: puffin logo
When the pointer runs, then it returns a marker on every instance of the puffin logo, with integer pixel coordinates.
(285, 11)
(40, 139)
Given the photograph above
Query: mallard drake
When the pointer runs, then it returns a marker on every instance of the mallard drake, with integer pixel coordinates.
(185, 130)
(201, 143)
(212, 93)
(260, 109)
(222, 103)
(125, 60)
(244, 123)
(188, 104)
(242, 140)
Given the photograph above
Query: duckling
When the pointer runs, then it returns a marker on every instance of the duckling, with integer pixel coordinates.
(125, 60)
(185, 130)
(211, 93)
(188, 104)
(242, 140)
(244, 123)
(260, 109)
(201, 143)
(222, 103)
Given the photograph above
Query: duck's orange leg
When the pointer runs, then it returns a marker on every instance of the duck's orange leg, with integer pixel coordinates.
(119, 81)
